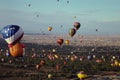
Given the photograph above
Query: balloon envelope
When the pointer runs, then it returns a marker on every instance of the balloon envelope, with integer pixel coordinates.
(49, 28)
(12, 33)
(67, 42)
(77, 25)
(16, 50)
(96, 30)
(81, 75)
(89, 57)
(72, 32)
(60, 41)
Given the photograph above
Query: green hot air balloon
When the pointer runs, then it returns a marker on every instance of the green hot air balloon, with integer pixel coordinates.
(72, 32)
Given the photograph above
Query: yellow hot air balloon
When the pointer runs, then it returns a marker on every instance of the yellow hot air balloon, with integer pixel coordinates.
(56, 56)
(49, 76)
(67, 42)
(49, 28)
(116, 63)
(81, 75)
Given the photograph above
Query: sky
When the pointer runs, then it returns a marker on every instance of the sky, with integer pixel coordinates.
(103, 15)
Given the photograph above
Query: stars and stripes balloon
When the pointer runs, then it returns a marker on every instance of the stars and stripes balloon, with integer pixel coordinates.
(12, 33)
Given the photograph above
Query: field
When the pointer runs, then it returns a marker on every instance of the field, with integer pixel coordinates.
(97, 56)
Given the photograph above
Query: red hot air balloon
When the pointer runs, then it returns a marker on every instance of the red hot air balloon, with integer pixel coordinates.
(60, 41)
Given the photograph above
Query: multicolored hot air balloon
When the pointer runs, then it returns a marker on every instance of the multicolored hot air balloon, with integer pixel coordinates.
(12, 33)
(77, 25)
(60, 41)
(72, 32)
(89, 57)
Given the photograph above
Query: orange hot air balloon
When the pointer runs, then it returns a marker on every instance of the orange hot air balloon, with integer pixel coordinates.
(67, 42)
(16, 50)
(49, 28)
(60, 41)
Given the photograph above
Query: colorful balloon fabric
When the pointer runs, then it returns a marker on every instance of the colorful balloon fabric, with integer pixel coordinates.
(12, 33)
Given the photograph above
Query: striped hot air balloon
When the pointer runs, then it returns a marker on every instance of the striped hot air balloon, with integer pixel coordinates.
(12, 33)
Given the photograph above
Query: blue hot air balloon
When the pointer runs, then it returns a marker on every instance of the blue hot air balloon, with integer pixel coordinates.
(12, 33)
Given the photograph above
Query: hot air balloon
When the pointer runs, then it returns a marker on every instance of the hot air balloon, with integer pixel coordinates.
(67, 1)
(72, 32)
(82, 75)
(89, 57)
(67, 42)
(29, 5)
(16, 50)
(49, 28)
(77, 25)
(60, 41)
(96, 30)
(37, 66)
(74, 16)
(49, 76)
(12, 33)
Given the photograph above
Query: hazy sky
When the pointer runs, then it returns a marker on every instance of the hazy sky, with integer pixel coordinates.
(103, 15)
